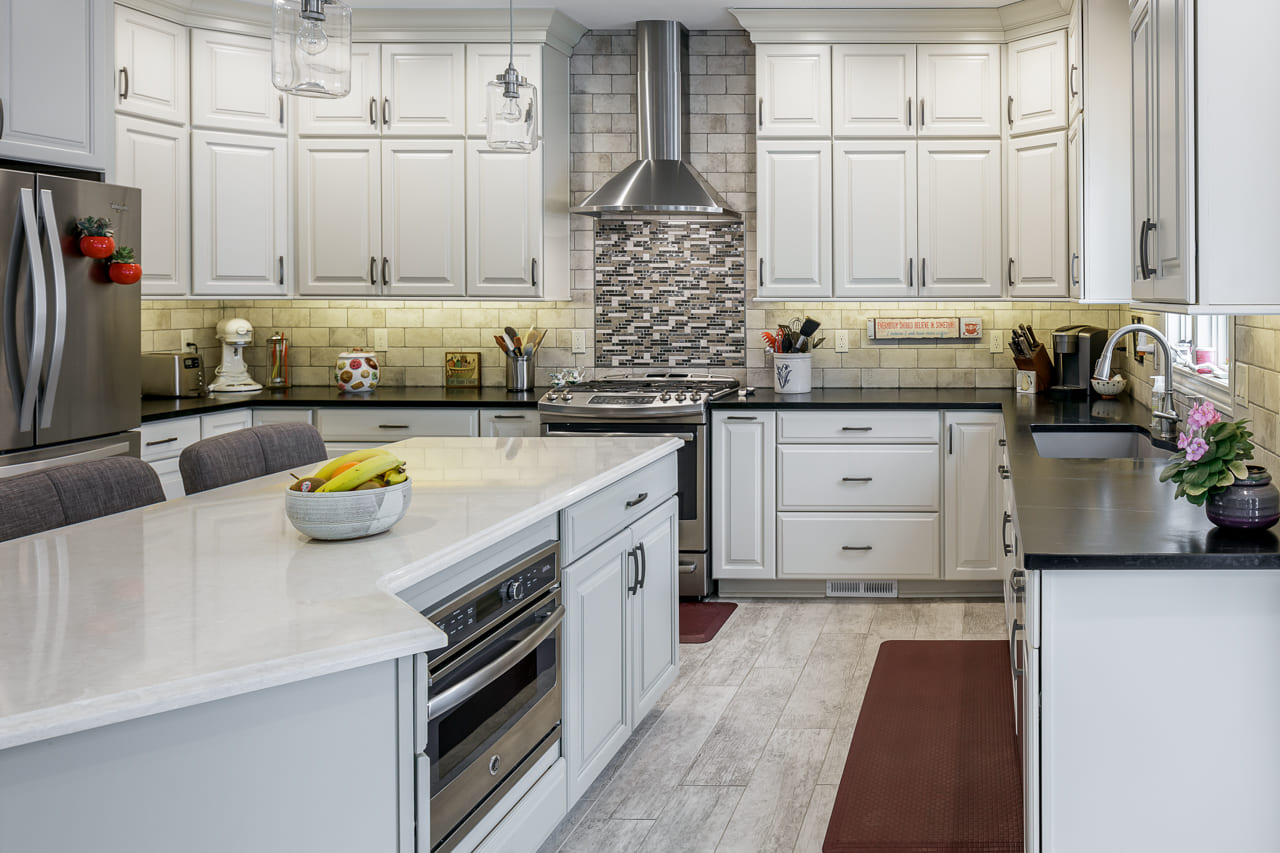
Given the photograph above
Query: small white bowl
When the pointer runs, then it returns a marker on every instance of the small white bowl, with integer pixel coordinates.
(347, 515)
(1109, 389)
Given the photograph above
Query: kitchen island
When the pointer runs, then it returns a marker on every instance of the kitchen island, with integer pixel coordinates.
(198, 675)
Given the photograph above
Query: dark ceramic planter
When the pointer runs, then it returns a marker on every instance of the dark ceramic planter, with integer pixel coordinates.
(1249, 504)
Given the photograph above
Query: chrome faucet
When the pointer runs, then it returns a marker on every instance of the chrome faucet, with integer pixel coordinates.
(1164, 421)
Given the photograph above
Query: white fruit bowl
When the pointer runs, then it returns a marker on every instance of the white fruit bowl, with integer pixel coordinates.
(347, 515)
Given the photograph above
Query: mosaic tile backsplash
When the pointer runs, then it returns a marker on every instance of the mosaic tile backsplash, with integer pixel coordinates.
(669, 294)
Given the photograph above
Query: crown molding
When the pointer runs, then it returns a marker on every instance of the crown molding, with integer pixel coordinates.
(1015, 20)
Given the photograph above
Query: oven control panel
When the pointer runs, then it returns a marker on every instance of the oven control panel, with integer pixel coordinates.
(504, 591)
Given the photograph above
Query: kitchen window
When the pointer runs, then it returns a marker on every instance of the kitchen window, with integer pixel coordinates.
(1202, 354)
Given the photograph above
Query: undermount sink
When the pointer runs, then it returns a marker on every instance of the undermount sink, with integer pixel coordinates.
(1095, 442)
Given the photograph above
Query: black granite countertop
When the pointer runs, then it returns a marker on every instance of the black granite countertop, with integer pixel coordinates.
(1072, 513)
(162, 408)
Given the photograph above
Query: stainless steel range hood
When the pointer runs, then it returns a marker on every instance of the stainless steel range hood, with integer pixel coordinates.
(660, 182)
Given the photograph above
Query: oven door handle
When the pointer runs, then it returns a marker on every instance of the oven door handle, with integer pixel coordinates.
(683, 436)
(478, 680)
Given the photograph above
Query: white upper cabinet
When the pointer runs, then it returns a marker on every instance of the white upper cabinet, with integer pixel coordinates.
(1037, 196)
(339, 212)
(423, 91)
(874, 218)
(794, 203)
(1037, 98)
(152, 67)
(793, 90)
(484, 63)
(424, 217)
(231, 84)
(357, 114)
(1075, 60)
(156, 158)
(55, 82)
(874, 90)
(959, 225)
(958, 86)
(239, 214)
(504, 222)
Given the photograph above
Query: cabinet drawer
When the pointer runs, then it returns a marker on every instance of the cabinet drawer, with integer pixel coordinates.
(163, 439)
(855, 426)
(386, 425)
(282, 416)
(887, 477)
(591, 521)
(839, 545)
(224, 422)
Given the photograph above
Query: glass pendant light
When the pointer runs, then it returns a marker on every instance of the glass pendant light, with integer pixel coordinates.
(311, 48)
(512, 103)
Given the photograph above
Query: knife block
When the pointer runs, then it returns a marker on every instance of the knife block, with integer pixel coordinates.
(1041, 364)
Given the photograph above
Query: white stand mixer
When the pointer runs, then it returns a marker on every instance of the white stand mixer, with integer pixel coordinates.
(232, 375)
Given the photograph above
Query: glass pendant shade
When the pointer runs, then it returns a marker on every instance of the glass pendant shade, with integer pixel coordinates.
(311, 48)
(512, 112)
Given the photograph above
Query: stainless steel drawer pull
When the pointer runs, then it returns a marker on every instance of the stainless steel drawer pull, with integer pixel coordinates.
(1011, 111)
(855, 547)
(124, 83)
(510, 417)
(856, 429)
(373, 111)
(855, 479)
(170, 440)
(393, 426)
(637, 500)
(741, 418)
(1071, 80)
(386, 111)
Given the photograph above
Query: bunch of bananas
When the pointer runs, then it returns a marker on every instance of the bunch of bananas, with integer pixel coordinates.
(374, 468)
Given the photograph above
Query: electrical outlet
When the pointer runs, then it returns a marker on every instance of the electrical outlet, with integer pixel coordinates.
(188, 339)
(579, 341)
(995, 340)
(842, 341)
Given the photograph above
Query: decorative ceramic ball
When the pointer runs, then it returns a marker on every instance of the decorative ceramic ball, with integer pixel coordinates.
(356, 371)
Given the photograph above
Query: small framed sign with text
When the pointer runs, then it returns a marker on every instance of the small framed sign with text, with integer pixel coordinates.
(462, 370)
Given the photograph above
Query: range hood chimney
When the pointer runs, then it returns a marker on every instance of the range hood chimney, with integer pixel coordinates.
(660, 182)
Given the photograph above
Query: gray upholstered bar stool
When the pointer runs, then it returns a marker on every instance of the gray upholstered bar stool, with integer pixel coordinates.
(44, 500)
(248, 453)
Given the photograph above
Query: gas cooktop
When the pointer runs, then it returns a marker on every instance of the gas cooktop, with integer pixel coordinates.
(639, 395)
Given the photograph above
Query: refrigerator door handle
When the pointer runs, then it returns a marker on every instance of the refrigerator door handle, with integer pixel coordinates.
(59, 307)
(40, 312)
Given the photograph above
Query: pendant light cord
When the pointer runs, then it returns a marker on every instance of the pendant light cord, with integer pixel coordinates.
(511, 32)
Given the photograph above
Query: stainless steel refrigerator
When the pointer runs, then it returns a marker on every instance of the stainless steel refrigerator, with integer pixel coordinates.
(69, 366)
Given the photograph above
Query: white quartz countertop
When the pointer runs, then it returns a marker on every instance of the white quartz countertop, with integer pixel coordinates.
(216, 595)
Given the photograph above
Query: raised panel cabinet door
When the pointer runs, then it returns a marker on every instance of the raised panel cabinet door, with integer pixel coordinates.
(1171, 243)
(1075, 208)
(794, 202)
(504, 222)
(1037, 99)
(1075, 61)
(231, 84)
(1037, 204)
(1141, 54)
(793, 90)
(509, 423)
(156, 158)
(973, 497)
(486, 61)
(339, 216)
(744, 495)
(874, 218)
(152, 67)
(959, 219)
(423, 217)
(359, 113)
(873, 90)
(597, 674)
(655, 628)
(958, 86)
(239, 214)
(55, 82)
(423, 90)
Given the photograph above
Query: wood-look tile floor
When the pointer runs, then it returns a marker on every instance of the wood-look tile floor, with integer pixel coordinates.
(745, 751)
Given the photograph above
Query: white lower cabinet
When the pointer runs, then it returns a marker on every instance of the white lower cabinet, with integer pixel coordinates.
(385, 425)
(973, 504)
(621, 640)
(164, 441)
(821, 545)
(743, 495)
(509, 423)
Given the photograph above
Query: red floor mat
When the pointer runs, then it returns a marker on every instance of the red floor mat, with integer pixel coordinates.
(700, 620)
(934, 764)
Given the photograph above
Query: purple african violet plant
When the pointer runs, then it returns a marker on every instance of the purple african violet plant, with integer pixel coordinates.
(1211, 455)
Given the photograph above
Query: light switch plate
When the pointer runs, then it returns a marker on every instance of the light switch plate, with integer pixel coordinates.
(380, 340)
(842, 341)
(995, 340)
(579, 341)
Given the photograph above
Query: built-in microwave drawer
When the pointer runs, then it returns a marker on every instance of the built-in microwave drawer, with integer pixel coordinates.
(858, 426)
(858, 545)
(874, 478)
(593, 520)
(166, 439)
(387, 424)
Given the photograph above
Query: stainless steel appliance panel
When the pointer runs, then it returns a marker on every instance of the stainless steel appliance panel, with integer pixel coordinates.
(15, 320)
(88, 450)
(90, 380)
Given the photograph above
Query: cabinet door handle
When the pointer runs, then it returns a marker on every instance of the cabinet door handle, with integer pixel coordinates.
(855, 548)
(280, 268)
(385, 279)
(634, 559)
(644, 564)
(124, 82)
(1004, 471)
(911, 273)
(1017, 580)
(855, 479)
(1, 117)
(1009, 110)
(740, 418)
(1011, 272)
(373, 112)
(282, 110)
(951, 431)
(533, 271)
(1147, 227)
(386, 111)
(910, 111)
(922, 113)
(170, 440)
(637, 500)
(373, 272)
(1075, 279)
(1151, 269)
(1071, 80)
(1004, 533)
(857, 429)
(760, 278)
(1013, 647)
(760, 110)
(924, 273)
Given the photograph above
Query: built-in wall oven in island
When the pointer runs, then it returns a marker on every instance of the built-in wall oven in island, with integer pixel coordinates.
(493, 693)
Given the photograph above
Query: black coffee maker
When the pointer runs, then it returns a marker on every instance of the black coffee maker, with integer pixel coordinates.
(1075, 350)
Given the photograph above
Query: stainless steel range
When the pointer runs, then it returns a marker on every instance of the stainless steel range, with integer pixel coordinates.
(661, 405)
